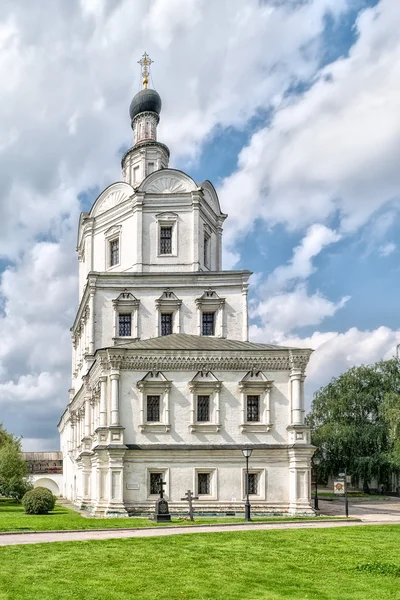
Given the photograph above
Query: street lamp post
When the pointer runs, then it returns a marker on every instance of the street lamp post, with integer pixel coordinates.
(247, 453)
(316, 462)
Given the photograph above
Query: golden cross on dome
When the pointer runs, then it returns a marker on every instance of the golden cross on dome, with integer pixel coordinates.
(145, 63)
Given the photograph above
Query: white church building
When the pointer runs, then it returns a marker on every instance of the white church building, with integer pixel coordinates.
(165, 384)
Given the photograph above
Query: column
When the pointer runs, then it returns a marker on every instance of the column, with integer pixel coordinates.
(195, 230)
(217, 403)
(219, 248)
(103, 401)
(166, 397)
(92, 425)
(268, 403)
(141, 401)
(87, 417)
(297, 394)
(114, 398)
(245, 332)
(91, 322)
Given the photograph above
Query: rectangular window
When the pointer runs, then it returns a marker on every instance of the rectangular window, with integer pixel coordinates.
(203, 483)
(208, 323)
(135, 174)
(207, 251)
(155, 479)
(124, 324)
(166, 323)
(150, 168)
(203, 408)
(153, 408)
(253, 408)
(253, 483)
(165, 240)
(114, 252)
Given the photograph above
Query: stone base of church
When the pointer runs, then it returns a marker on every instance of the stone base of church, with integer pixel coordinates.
(225, 510)
(209, 510)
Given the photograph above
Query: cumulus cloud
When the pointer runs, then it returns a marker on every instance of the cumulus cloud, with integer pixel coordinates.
(300, 266)
(64, 103)
(333, 150)
(387, 249)
(336, 352)
(282, 313)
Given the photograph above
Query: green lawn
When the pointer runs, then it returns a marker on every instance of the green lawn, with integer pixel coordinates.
(13, 518)
(357, 563)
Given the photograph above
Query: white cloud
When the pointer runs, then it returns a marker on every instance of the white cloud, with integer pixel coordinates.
(65, 96)
(282, 313)
(301, 266)
(334, 149)
(387, 249)
(336, 352)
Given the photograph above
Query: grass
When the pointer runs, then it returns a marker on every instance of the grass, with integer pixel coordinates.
(13, 518)
(357, 563)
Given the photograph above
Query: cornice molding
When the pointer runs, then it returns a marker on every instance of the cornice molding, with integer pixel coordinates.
(206, 362)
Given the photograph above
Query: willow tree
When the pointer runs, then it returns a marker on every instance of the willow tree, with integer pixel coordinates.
(350, 422)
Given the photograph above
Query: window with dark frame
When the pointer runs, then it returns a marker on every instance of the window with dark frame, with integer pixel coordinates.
(253, 484)
(165, 239)
(124, 324)
(203, 408)
(203, 483)
(155, 479)
(114, 252)
(166, 323)
(153, 408)
(208, 319)
(253, 408)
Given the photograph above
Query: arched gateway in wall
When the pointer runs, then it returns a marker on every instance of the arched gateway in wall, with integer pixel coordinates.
(46, 470)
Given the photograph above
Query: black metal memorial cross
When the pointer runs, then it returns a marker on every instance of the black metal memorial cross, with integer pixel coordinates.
(162, 510)
(161, 484)
(189, 497)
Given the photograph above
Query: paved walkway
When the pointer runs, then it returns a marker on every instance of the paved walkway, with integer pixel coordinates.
(370, 512)
(74, 536)
(385, 510)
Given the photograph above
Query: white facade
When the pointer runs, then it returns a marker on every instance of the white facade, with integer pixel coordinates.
(164, 380)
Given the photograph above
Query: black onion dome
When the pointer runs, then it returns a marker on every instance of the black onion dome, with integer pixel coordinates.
(144, 101)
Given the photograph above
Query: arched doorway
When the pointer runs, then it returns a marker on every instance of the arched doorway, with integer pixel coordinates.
(48, 483)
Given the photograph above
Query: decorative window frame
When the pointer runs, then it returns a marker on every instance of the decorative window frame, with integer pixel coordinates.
(167, 219)
(165, 472)
(209, 301)
(154, 383)
(126, 303)
(213, 484)
(114, 233)
(256, 384)
(261, 484)
(204, 384)
(168, 303)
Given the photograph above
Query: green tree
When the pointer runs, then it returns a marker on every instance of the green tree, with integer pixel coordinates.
(349, 419)
(14, 480)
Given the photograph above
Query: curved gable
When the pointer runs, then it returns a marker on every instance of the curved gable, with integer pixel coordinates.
(168, 181)
(115, 194)
(210, 196)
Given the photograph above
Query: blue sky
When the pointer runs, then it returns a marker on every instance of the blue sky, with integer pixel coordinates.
(291, 110)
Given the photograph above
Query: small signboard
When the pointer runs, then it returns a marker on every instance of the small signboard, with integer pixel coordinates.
(348, 478)
(338, 487)
(132, 486)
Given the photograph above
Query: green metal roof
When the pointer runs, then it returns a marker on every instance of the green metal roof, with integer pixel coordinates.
(183, 341)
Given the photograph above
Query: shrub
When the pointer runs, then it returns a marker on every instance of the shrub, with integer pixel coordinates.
(38, 501)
